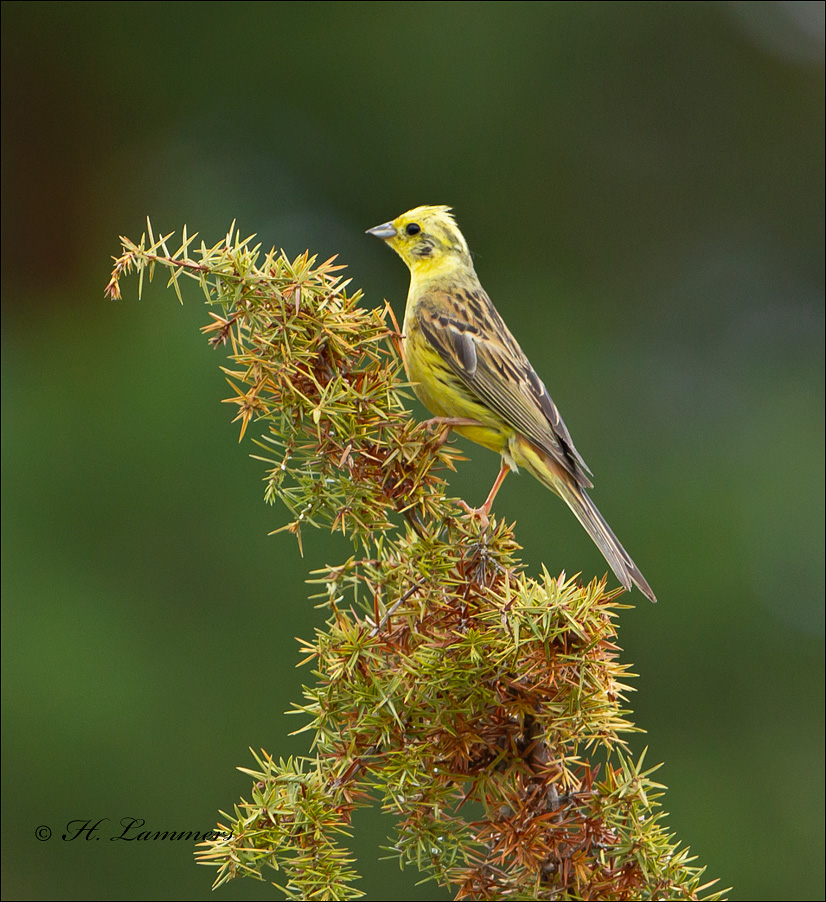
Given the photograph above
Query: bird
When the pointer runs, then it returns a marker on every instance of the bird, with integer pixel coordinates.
(468, 370)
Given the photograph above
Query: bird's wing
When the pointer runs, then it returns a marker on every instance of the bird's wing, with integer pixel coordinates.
(471, 337)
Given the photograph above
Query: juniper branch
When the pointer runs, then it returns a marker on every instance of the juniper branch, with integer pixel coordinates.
(446, 679)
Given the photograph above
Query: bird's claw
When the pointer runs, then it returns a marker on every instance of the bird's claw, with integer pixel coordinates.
(436, 426)
(476, 513)
(449, 423)
(446, 424)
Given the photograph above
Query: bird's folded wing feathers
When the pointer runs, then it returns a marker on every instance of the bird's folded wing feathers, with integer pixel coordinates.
(493, 366)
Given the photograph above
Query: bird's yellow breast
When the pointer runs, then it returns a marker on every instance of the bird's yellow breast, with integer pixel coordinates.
(444, 394)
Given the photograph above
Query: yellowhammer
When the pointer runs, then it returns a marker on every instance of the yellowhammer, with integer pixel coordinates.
(469, 371)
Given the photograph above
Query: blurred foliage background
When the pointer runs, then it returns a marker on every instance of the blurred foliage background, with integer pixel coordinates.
(642, 185)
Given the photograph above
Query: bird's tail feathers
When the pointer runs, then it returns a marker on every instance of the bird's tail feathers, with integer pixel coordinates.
(551, 475)
(627, 572)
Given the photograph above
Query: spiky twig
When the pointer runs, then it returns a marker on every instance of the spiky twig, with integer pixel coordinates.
(444, 675)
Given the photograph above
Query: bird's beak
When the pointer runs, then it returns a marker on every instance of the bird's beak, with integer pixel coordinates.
(384, 231)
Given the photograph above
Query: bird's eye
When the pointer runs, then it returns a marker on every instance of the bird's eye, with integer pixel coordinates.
(413, 229)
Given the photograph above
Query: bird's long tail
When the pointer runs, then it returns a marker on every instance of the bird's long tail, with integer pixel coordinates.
(619, 559)
(552, 475)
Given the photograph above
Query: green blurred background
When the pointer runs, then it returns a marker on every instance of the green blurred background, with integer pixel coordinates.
(642, 185)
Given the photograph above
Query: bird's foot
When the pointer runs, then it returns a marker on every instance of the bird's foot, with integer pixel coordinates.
(482, 514)
(446, 424)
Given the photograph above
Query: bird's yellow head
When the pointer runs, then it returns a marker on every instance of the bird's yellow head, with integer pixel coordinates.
(427, 239)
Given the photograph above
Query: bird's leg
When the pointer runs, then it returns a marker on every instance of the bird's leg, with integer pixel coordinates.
(483, 511)
(447, 423)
